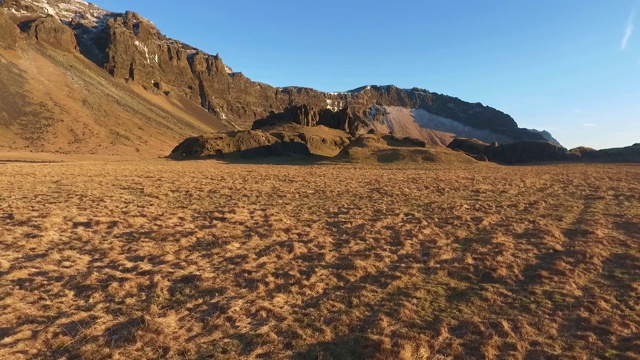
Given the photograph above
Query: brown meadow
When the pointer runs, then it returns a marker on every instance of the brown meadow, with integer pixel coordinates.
(158, 259)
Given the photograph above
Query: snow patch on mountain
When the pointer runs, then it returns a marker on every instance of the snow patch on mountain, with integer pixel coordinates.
(360, 89)
(17, 12)
(335, 105)
(65, 10)
(144, 48)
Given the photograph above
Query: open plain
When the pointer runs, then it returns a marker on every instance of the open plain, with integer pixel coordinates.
(204, 259)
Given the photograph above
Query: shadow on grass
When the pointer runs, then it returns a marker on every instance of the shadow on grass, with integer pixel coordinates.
(348, 348)
(124, 333)
(241, 159)
(629, 228)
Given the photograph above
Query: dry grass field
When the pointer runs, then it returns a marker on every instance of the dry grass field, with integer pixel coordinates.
(157, 259)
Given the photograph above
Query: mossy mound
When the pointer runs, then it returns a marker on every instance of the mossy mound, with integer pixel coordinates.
(387, 149)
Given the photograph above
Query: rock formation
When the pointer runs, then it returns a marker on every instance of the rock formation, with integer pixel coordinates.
(279, 141)
(541, 151)
(526, 152)
(388, 149)
(49, 30)
(629, 154)
(513, 153)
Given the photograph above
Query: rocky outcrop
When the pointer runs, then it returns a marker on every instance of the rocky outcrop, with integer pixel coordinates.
(224, 143)
(396, 141)
(301, 115)
(513, 153)
(526, 152)
(320, 140)
(352, 119)
(629, 154)
(541, 151)
(582, 151)
(51, 31)
(9, 32)
(472, 147)
(388, 149)
(291, 140)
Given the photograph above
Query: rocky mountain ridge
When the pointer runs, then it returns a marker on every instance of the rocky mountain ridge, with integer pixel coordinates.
(131, 48)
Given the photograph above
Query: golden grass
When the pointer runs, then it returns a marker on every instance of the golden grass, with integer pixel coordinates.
(160, 259)
(57, 102)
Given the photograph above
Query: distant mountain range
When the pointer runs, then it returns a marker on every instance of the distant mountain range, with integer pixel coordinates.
(80, 79)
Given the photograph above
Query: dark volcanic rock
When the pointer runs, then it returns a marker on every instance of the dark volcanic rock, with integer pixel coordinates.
(526, 151)
(629, 154)
(243, 144)
(350, 119)
(301, 115)
(51, 31)
(9, 32)
(222, 143)
(540, 151)
(395, 141)
(470, 146)
(582, 151)
(376, 148)
(279, 141)
(514, 153)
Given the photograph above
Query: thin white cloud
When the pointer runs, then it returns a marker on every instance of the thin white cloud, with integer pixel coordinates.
(590, 125)
(628, 31)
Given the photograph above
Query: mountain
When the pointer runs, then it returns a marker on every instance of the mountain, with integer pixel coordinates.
(55, 100)
(86, 80)
(415, 113)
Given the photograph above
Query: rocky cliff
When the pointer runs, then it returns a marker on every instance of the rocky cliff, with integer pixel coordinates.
(131, 48)
(49, 30)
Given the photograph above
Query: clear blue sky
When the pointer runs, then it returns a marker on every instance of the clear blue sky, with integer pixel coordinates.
(571, 67)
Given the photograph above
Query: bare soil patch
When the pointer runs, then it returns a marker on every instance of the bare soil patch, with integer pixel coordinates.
(203, 259)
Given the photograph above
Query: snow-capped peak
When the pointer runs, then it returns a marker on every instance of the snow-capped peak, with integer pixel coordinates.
(65, 10)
